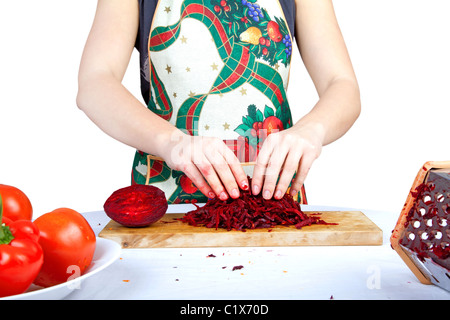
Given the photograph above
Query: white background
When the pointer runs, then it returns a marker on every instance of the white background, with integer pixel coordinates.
(400, 50)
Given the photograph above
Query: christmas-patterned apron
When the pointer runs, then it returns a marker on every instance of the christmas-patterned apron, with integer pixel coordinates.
(218, 68)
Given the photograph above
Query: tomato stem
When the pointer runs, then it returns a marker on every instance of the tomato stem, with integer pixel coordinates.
(1, 213)
(2, 233)
(5, 234)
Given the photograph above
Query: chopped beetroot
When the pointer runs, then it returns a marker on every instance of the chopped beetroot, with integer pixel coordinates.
(250, 212)
(237, 268)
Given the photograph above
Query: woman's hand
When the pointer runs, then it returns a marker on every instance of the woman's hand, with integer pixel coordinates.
(209, 163)
(282, 155)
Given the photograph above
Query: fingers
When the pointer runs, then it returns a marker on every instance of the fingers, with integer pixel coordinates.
(239, 174)
(191, 171)
(216, 171)
(289, 169)
(228, 169)
(219, 166)
(227, 180)
(273, 169)
(279, 159)
(269, 164)
(205, 176)
(303, 170)
(208, 172)
(259, 170)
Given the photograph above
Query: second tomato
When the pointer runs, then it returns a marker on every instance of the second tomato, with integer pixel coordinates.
(68, 242)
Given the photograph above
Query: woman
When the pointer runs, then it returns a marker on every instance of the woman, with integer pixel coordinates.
(214, 76)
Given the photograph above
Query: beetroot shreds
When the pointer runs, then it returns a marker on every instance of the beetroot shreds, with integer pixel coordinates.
(250, 212)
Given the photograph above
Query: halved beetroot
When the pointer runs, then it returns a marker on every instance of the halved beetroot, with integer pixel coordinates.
(136, 205)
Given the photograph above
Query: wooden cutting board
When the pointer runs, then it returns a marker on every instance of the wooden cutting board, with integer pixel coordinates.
(353, 228)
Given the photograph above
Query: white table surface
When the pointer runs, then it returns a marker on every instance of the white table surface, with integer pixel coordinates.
(268, 273)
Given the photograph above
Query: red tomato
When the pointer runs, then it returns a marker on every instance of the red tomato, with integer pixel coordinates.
(68, 242)
(16, 205)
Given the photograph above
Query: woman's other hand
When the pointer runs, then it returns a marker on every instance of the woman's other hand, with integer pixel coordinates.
(282, 155)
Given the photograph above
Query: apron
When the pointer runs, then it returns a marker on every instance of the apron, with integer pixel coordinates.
(217, 68)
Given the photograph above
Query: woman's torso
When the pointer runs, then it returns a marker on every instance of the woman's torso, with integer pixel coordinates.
(214, 68)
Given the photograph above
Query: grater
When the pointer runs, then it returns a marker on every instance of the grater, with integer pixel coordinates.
(422, 235)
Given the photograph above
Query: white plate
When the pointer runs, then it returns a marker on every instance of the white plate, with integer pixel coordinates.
(106, 252)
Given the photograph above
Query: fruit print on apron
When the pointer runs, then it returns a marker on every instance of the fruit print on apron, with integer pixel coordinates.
(218, 68)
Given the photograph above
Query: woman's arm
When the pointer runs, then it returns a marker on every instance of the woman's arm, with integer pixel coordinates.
(101, 94)
(325, 56)
(118, 113)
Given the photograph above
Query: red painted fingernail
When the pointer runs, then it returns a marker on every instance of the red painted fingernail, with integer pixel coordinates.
(244, 185)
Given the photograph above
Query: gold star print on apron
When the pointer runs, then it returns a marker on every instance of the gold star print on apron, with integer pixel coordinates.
(217, 68)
